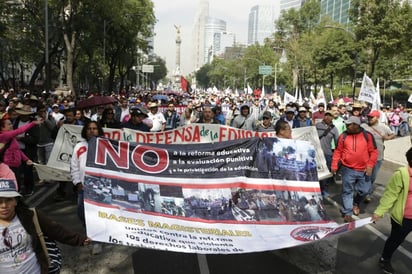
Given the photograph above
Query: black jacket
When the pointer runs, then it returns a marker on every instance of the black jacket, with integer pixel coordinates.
(53, 230)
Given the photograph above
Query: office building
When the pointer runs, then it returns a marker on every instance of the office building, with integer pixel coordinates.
(198, 35)
(289, 4)
(262, 23)
(336, 10)
(213, 26)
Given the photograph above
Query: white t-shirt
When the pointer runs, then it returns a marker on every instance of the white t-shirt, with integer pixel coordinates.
(158, 120)
(16, 252)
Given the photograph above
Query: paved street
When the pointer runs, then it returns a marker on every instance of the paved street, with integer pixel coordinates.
(355, 252)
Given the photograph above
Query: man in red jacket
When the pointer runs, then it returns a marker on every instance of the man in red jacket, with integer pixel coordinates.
(356, 151)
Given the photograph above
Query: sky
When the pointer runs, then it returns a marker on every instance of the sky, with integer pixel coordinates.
(183, 12)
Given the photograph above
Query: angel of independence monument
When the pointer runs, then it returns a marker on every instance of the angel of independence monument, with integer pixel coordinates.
(177, 72)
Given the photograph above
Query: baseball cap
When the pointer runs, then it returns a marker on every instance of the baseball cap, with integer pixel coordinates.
(329, 112)
(353, 120)
(374, 113)
(289, 109)
(302, 109)
(8, 189)
(267, 114)
(137, 111)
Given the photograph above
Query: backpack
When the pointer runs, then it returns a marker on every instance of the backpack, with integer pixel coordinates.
(365, 135)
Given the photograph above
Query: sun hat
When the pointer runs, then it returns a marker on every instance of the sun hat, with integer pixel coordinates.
(25, 110)
(152, 105)
(8, 189)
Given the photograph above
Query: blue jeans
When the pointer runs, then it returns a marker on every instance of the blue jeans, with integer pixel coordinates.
(395, 129)
(353, 182)
(372, 178)
(80, 207)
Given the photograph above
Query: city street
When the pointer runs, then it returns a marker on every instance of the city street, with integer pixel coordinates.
(355, 252)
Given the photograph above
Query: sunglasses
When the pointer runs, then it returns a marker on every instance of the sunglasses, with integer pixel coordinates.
(110, 113)
(6, 237)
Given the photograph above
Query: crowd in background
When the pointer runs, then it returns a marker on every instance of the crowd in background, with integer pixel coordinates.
(155, 111)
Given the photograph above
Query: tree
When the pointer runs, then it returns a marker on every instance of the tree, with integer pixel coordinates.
(377, 28)
(291, 25)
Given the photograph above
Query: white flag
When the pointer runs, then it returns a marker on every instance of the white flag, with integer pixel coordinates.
(410, 98)
(331, 96)
(289, 98)
(367, 90)
(377, 98)
(321, 97)
(262, 95)
(249, 89)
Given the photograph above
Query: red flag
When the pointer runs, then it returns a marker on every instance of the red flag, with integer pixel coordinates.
(185, 85)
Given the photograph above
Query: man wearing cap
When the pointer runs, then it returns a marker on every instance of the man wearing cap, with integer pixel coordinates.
(356, 152)
(56, 114)
(289, 117)
(327, 133)
(245, 119)
(171, 116)
(318, 115)
(159, 121)
(380, 132)
(138, 120)
(256, 110)
(266, 125)
(302, 119)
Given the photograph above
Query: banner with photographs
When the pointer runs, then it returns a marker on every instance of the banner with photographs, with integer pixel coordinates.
(206, 199)
(69, 135)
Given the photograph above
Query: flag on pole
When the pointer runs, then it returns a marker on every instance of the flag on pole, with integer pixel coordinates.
(249, 89)
(288, 98)
(331, 96)
(185, 85)
(262, 94)
(367, 90)
(321, 97)
(377, 98)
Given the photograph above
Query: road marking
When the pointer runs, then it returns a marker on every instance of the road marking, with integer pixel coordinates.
(384, 238)
(372, 229)
(203, 267)
(39, 196)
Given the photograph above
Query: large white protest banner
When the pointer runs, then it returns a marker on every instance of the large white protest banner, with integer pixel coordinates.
(69, 135)
(245, 195)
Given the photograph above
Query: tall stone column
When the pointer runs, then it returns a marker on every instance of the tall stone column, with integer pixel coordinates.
(178, 44)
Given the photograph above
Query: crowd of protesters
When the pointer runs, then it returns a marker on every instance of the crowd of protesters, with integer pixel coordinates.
(156, 111)
(29, 125)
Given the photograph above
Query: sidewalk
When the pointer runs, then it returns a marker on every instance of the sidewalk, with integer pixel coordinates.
(395, 150)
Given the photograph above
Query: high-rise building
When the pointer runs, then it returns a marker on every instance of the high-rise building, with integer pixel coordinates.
(262, 22)
(213, 26)
(289, 4)
(198, 35)
(337, 10)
